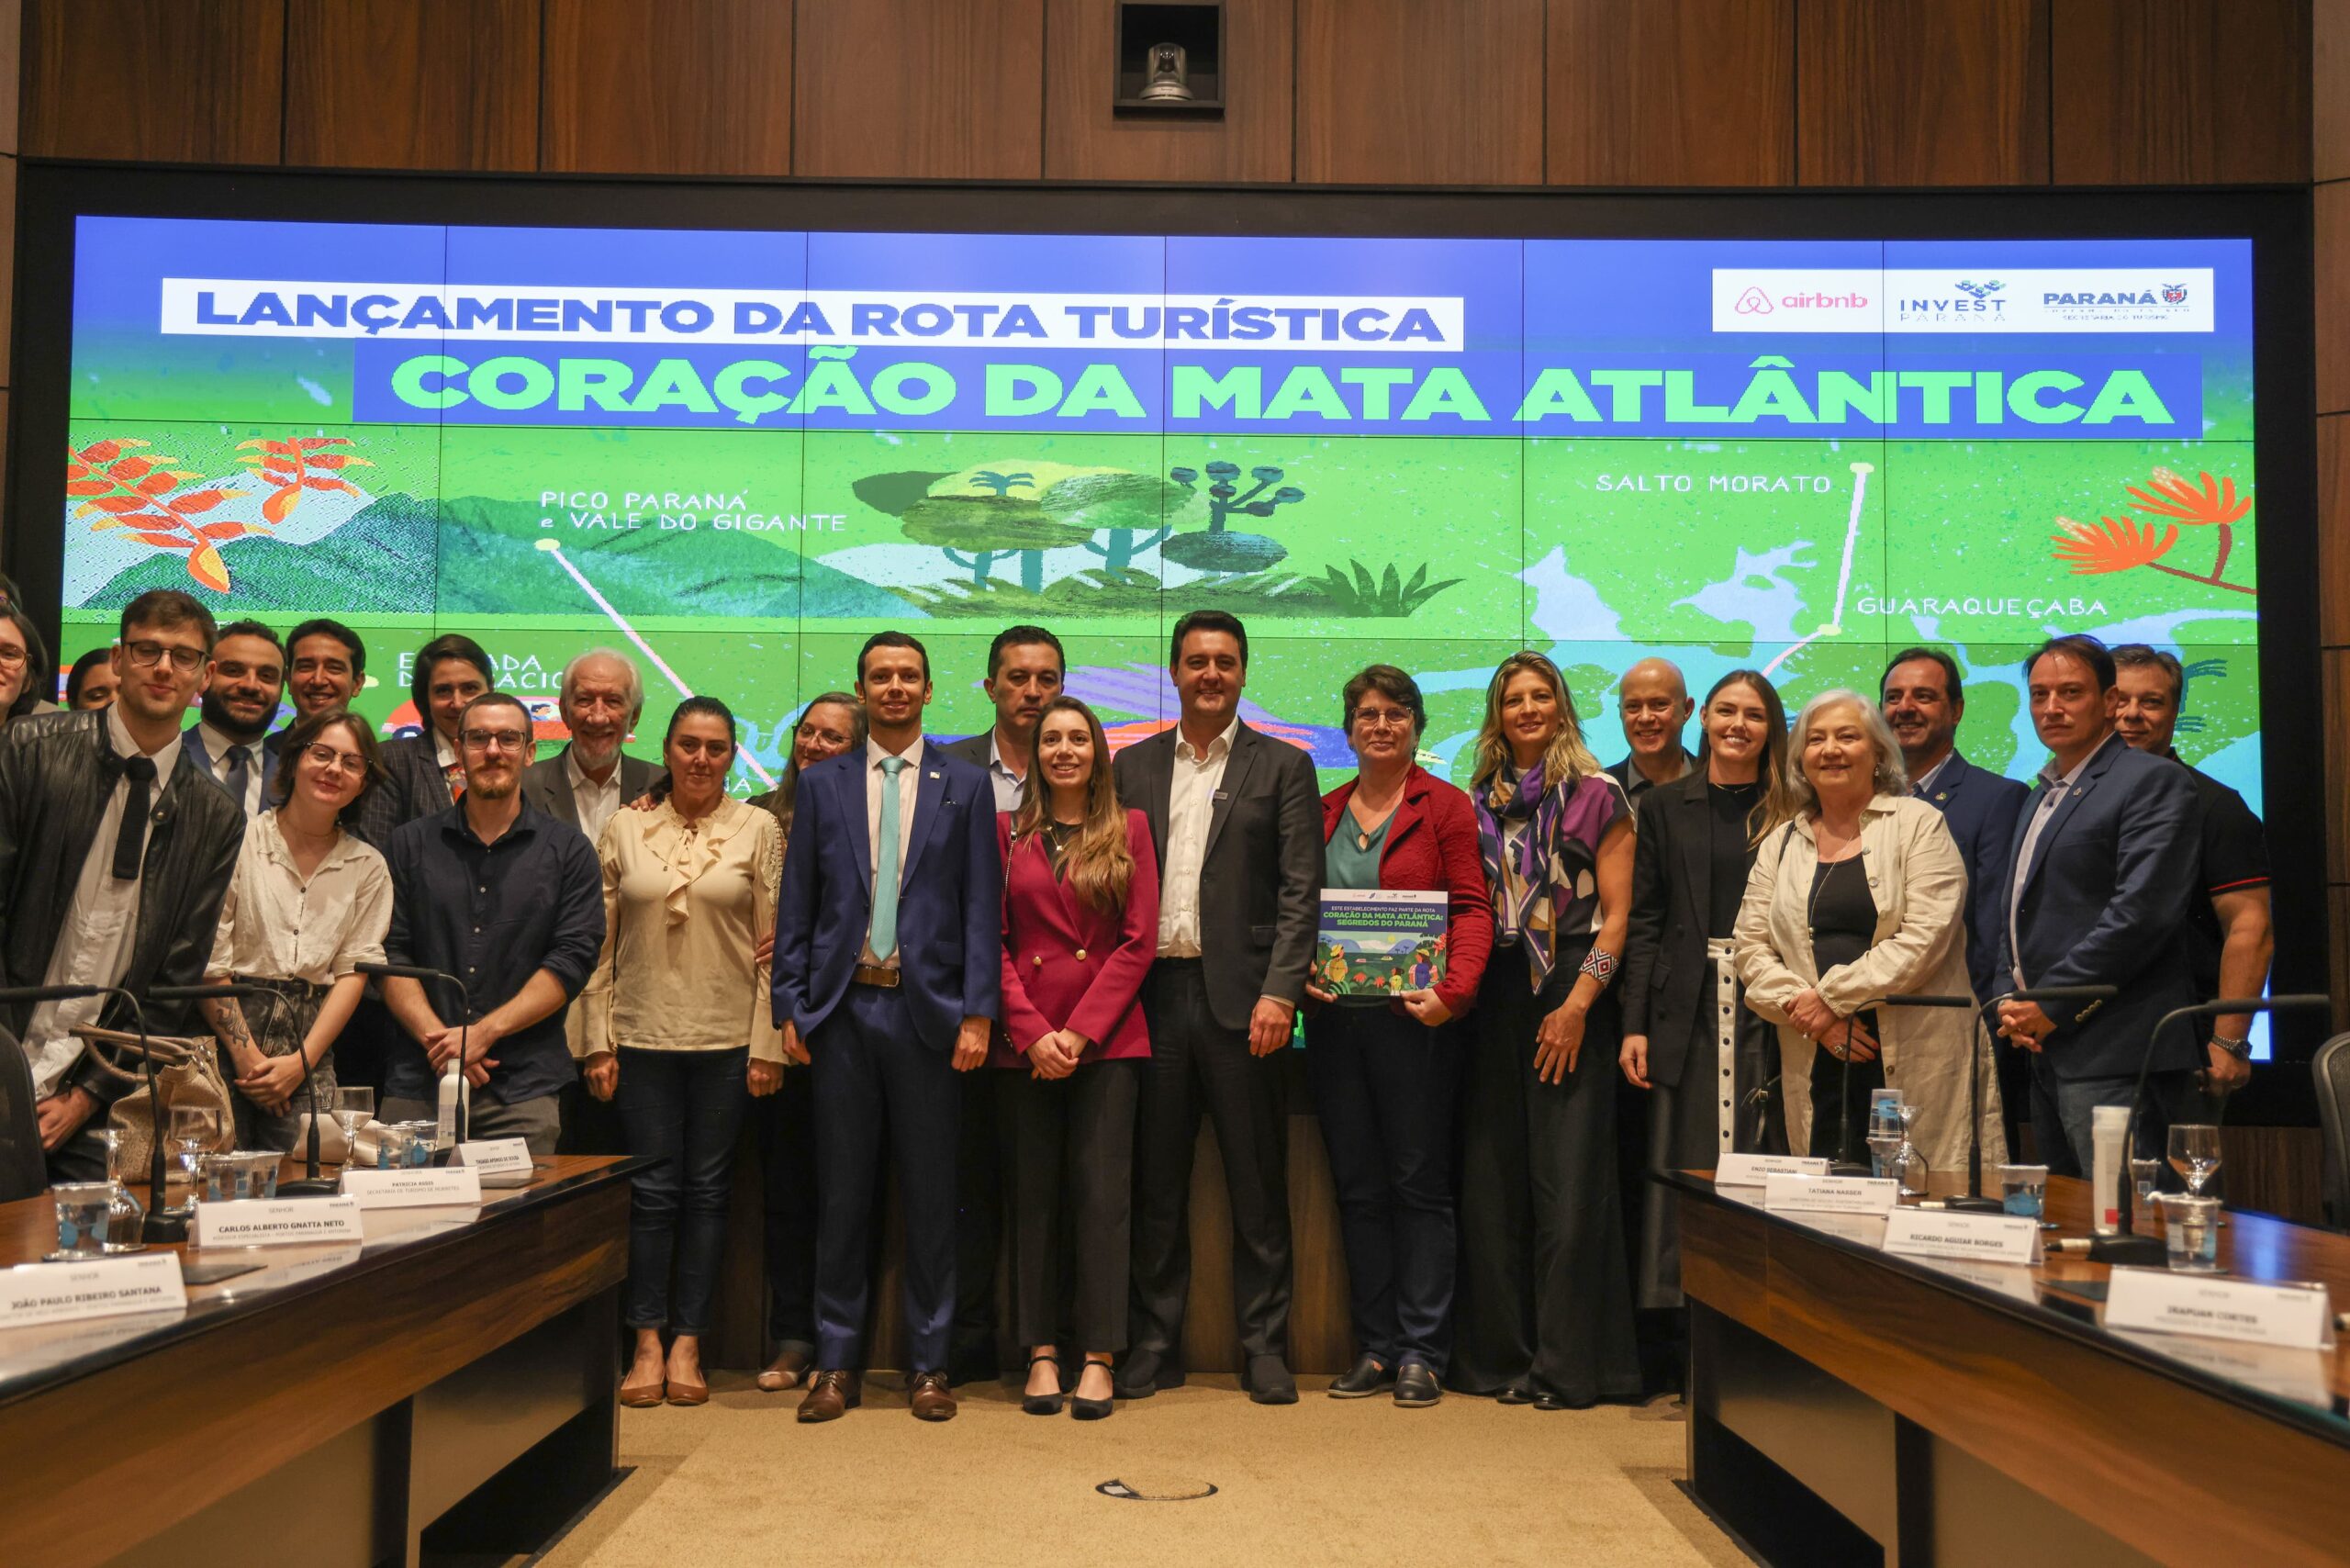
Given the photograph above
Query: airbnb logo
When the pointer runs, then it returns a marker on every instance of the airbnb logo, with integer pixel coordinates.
(1753, 302)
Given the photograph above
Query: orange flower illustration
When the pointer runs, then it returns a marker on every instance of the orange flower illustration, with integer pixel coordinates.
(293, 466)
(2119, 544)
(2211, 502)
(135, 491)
(2116, 546)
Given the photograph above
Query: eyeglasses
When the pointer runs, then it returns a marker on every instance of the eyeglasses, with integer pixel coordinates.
(12, 657)
(327, 756)
(496, 740)
(147, 654)
(1378, 718)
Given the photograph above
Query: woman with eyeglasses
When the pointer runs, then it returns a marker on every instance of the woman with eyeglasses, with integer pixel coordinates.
(308, 903)
(677, 1028)
(1383, 1067)
(24, 667)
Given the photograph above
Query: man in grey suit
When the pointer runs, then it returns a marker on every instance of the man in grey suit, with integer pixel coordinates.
(602, 696)
(1236, 818)
(1024, 670)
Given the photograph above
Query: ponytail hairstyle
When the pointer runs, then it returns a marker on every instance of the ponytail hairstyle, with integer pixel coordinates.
(1098, 864)
(1569, 756)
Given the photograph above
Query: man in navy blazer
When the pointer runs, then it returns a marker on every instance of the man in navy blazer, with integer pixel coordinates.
(1924, 701)
(2102, 868)
(242, 683)
(888, 972)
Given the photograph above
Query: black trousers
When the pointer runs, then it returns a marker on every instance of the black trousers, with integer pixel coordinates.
(1384, 1087)
(590, 1125)
(1197, 1065)
(685, 1109)
(978, 1225)
(1067, 1151)
(785, 1125)
(1545, 1291)
(877, 1083)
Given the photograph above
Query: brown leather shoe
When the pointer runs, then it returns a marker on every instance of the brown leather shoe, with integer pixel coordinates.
(830, 1395)
(933, 1400)
(787, 1372)
(684, 1393)
(643, 1396)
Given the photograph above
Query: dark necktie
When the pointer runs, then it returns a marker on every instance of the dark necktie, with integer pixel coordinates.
(132, 837)
(241, 760)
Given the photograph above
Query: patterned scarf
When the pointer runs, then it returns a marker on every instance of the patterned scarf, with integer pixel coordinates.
(1553, 868)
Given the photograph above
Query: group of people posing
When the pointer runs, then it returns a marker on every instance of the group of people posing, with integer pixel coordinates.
(1023, 970)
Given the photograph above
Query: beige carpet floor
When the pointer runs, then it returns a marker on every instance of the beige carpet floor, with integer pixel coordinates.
(1327, 1481)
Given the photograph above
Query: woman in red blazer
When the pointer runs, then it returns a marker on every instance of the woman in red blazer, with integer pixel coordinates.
(1080, 928)
(1383, 1068)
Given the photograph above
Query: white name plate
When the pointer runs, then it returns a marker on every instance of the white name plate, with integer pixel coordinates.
(1996, 1239)
(501, 1162)
(1833, 1194)
(449, 1186)
(2165, 1302)
(1754, 1169)
(103, 1287)
(275, 1222)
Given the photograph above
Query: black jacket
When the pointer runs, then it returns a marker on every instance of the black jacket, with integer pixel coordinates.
(1260, 879)
(56, 772)
(413, 786)
(1665, 978)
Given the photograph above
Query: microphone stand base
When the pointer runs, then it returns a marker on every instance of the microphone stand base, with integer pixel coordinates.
(2143, 1252)
(313, 1187)
(1961, 1205)
(163, 1228)
(1849, 1167)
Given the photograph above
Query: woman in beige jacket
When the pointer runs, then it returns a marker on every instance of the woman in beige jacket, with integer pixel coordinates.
(1861, 896)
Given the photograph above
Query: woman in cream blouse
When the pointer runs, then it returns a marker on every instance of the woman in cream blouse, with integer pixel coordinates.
(677, 1026)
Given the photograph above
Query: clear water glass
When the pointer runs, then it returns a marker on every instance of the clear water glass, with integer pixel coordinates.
(1909, 1166)
(2191, 1232)
(2023, 1189)
(193, 1129)
(353, 1109)
(2144, 1174)
(2195, 1154)
(84, 1210)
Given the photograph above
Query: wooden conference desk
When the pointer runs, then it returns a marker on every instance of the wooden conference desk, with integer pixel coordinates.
(328, 1408)
(1969, 1412)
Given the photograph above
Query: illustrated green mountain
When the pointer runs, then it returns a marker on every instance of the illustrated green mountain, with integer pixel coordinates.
(380, 561)
(491, 564)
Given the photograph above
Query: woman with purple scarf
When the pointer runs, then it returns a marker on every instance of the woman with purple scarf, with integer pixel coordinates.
(1544, 1311)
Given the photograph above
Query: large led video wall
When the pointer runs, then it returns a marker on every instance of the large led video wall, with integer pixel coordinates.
(734, 455)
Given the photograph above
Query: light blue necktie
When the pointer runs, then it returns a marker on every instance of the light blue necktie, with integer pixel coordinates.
(884, 936)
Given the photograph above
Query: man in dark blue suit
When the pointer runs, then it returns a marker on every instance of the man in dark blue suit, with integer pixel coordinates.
(2102, 868)
(887, 966)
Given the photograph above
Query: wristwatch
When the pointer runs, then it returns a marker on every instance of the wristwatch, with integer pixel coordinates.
(2240, 1049)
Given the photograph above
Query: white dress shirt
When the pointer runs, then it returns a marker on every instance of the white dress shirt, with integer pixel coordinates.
(595, 802)
(2058, 786)
(1190, 804)
(101, 923)
(909, 786)
(277, 926)
(217, 746)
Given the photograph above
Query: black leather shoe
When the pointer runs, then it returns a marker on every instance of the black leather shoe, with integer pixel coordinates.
(1043, 1404)
(1415, 1386)
(1144, 1373)
(1546, 1400)
(1269, 1381)
(1515, 1393)
(1364, 1378)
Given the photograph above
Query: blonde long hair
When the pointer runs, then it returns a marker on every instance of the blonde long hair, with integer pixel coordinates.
(1098, 864)
(1569, 756)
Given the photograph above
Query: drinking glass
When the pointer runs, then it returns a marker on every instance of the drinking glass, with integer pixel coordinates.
(193, 1129)
(1908, 1164)
(2195, 1153)
(2023, 1189)
(81, 1219)
(2191, 1234)
(126, 1215)
(353, 1109)
(2144, 1172)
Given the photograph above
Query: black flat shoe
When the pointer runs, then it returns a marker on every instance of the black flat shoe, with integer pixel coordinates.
(1516, 1394)
(1546, 1400)
(1144, 1376)
(1269, 1381)
(1042, 1404)
(1364, 1378)
(1415, 1386)
(1086, 1409)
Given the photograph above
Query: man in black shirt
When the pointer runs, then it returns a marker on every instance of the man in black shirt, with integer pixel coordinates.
(510, 902)
(2230, 940)
(1652, 703)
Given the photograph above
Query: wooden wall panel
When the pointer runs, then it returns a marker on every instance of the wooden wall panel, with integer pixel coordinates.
(2333, 203)
(1084, 141)
(412, 84)
(192, 82)
(1398, 92)
(2335, 709)
(2333, 530)
(666, 87)
(12, 64)
(2179, 92)
(2330, 90)
(921, 89)
(1922, 93)
(1671, 93)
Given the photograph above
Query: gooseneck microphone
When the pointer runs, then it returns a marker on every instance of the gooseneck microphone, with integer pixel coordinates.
(312, 1185)
(158, 1225)
(2126, 1247)
(464, 1024)
(2040, 995)
(1844, 1164)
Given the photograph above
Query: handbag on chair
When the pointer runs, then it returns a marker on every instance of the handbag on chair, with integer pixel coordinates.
(187, 1073)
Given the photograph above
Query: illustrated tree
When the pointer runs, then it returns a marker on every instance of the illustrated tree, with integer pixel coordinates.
(139, 491)
(1220, 549)
(976, 531)
(2122, 544)
(996, 484)
(1131, 507)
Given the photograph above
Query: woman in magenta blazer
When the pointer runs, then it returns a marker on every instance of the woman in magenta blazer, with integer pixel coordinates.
(1080, 928)
(1383, 1067)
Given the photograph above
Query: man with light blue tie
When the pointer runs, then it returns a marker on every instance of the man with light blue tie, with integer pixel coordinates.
(242, 685)
(887, 972)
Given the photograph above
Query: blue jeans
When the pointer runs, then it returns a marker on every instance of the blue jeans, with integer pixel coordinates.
(685, 1109)
(2062, 1112)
